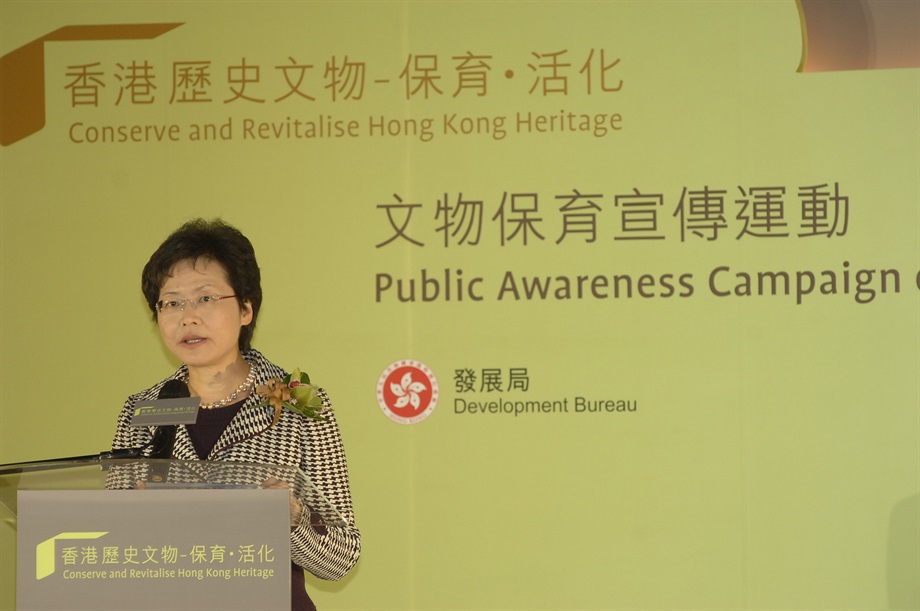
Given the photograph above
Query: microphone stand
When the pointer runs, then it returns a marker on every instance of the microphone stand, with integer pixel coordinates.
(54, 463)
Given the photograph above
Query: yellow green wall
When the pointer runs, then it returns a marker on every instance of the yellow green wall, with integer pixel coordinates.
(774, 458)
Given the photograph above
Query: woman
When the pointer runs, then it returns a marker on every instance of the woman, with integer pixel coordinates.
(203, 287)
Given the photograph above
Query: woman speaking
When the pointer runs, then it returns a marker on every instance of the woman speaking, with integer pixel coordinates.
(203, 287)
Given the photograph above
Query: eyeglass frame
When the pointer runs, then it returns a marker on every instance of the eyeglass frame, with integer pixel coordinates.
(196, 301)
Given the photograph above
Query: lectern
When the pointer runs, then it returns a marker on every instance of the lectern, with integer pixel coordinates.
(154, 534)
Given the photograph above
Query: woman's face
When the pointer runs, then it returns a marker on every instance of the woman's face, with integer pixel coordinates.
(202, 335)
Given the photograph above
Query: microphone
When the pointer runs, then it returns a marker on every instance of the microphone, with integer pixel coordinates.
(164, 437)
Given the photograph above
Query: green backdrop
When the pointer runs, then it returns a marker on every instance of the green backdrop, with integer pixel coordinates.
(767, 450)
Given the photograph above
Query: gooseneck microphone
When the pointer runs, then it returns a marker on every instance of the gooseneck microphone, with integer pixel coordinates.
(164, 437)
(161, 445)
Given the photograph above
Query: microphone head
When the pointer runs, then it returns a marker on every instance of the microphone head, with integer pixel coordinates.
(164, 438)
(174, 389)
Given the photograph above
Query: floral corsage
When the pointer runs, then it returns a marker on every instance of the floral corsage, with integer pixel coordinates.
(294, 392)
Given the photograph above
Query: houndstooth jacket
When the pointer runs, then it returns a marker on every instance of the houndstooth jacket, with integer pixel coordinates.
(328, 551)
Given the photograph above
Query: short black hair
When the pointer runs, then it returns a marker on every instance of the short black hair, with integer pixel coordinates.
(216, 241)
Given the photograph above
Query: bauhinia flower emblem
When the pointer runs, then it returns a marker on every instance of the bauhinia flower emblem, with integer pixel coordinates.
(407, 391)
(294, 392)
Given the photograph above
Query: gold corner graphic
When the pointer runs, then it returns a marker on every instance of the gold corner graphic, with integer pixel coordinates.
(45, 551)
(859, 35)
(22, 73)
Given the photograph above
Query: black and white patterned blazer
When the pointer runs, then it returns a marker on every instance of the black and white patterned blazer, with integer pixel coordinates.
(315, 446)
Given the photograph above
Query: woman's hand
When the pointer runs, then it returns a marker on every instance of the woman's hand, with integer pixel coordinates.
(296, 507)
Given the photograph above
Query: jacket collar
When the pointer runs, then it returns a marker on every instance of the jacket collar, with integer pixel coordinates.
(250, 421)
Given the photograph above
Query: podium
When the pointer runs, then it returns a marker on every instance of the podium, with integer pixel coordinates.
(154, 534)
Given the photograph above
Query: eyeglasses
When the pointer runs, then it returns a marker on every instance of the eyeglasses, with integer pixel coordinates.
(202, 304)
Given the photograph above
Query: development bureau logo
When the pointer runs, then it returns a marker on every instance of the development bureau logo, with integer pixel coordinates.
(407, 392)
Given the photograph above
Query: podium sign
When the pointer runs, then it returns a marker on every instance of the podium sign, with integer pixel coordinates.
(154, 549)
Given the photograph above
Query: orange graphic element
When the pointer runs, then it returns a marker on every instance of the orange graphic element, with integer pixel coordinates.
(22, 73)
(859, 34)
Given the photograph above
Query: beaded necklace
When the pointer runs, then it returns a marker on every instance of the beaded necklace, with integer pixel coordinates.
(247, 383)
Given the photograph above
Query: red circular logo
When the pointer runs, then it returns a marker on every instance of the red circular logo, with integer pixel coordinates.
(407, 392)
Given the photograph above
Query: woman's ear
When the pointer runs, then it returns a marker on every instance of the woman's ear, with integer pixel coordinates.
(245, 312)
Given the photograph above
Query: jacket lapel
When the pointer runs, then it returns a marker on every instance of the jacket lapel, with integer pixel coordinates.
(247, 423)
